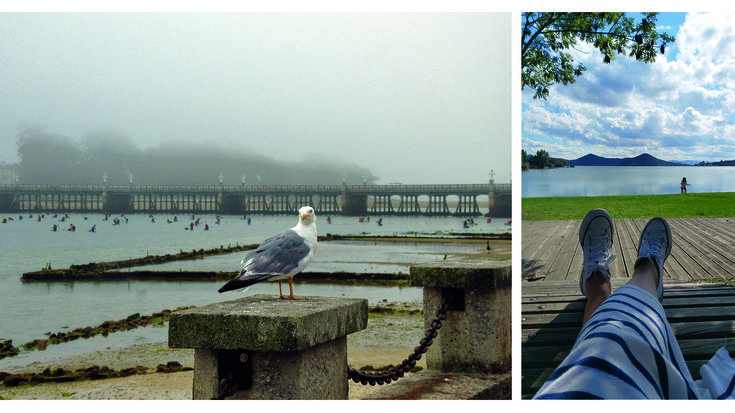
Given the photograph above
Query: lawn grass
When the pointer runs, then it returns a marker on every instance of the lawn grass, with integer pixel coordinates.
(690, 205)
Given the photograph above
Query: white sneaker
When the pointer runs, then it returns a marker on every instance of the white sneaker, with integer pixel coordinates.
(655, 245)
(596, 237)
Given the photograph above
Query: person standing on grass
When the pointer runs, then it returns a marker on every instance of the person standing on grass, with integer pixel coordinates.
(684, 185)
(626, 348)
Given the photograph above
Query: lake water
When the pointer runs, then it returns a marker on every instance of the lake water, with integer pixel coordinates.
(29, 309)
(623, 180)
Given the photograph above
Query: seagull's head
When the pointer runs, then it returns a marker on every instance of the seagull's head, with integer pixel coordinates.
(307, 215)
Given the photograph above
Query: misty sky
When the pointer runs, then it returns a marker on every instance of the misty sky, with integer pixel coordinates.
(416, 98)
(682, 107)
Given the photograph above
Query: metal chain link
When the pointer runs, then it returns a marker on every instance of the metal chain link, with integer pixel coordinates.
(227, 387)
(395, 373)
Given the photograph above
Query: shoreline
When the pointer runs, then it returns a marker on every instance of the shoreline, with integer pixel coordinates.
(377, 346)
(388, 339)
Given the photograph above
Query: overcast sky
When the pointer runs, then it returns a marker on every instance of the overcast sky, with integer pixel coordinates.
(680, 108)
(416, 98)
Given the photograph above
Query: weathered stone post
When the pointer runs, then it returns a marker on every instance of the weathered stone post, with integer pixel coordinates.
(476, 336)
(273, 348)
(470, 358)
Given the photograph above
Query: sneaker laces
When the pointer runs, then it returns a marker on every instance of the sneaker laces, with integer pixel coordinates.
(652, 245)
(598, 256)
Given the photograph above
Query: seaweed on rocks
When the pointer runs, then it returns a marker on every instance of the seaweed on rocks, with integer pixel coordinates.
(171, 367)
(95, 270)
(7, 349)
(59, 375)
(131, 322)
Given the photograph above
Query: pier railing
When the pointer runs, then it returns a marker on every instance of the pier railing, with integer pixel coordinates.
(451, 188)
(360, 200)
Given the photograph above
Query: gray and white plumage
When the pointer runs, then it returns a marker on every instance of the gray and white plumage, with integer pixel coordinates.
(279, 257)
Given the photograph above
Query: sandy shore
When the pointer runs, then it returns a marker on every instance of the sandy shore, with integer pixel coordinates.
(387, 340)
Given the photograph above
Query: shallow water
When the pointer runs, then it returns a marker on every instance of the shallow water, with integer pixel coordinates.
(32, 308)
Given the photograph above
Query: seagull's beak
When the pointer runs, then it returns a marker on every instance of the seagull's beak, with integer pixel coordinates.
(304, 216)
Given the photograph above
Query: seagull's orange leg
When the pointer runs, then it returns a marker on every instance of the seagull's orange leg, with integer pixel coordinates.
(280, 292)
(290, 289)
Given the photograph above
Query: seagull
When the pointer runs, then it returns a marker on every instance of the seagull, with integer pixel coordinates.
(279, 257)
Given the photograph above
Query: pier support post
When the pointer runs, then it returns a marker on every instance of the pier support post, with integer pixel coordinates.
(275, 349)
(355, 204)
(476, 336)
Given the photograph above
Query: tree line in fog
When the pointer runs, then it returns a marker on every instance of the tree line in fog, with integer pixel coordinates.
(52, 159)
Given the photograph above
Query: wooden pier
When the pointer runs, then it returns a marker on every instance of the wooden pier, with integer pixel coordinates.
(702, 249)
(357, 200)
(698, 302)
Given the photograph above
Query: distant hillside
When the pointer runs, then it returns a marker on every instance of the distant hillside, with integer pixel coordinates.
(640, 160)
(719, 163)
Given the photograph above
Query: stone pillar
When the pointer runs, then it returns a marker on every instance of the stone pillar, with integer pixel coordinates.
(279, 349)
(476, 336)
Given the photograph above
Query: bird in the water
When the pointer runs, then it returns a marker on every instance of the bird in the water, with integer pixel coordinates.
(279, 257)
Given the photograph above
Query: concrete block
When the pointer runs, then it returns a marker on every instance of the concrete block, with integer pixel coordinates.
(466, 274)
(267, 323)
(297, 349)
(316, 373)
(476, 336)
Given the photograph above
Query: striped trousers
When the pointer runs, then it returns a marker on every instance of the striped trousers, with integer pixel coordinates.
(627, 350)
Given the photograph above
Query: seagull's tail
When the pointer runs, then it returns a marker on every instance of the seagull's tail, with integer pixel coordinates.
(243, 281)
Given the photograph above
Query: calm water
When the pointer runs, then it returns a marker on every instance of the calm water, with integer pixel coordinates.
(621, 180)
(31, 309)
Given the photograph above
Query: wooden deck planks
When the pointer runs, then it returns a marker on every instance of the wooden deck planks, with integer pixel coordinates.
(701, 314)
(703, 248)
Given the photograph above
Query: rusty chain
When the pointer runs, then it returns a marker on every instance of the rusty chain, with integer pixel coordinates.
(395, 373)
(227, 387)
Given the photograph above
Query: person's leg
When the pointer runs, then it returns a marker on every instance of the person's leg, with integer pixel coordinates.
(654, 246)
(645, 277)
(598, 290)
(626, 348)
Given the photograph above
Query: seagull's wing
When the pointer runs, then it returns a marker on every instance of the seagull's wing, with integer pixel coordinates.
(277, 255)
(283, 254)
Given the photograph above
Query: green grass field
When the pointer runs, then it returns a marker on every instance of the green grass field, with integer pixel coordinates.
(691, 205)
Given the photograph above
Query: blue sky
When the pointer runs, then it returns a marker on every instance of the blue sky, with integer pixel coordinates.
(682, 107)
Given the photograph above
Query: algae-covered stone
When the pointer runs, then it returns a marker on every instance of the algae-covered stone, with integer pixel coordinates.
(267, 323)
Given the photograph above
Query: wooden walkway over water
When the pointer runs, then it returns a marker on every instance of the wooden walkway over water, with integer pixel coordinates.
(702, 313)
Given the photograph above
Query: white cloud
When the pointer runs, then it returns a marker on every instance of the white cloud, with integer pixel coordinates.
(678, 108)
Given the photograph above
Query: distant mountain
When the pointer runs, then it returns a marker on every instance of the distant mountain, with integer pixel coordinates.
(640, 160)
(689, 162)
